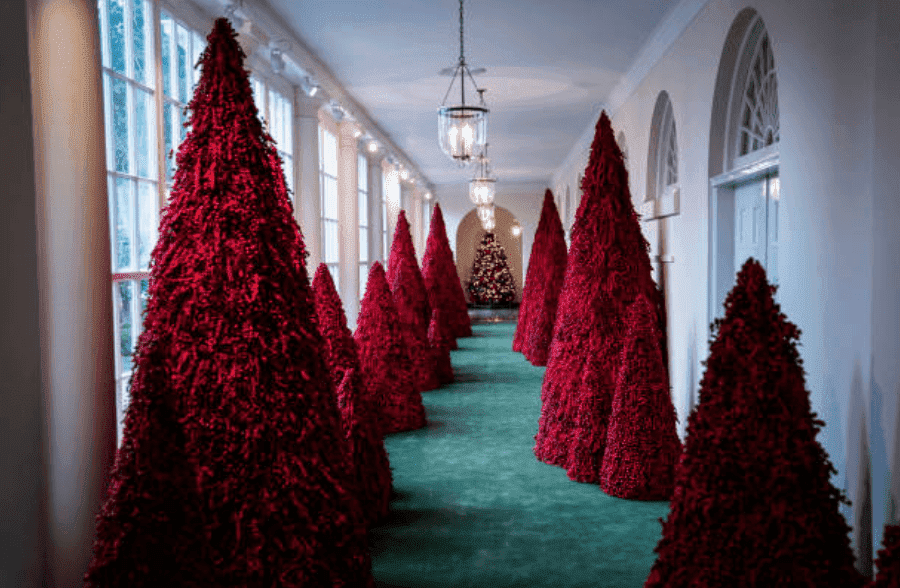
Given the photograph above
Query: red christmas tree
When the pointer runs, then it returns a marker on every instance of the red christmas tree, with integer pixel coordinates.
(608, 265)
(367, 458)
(642, 446)
(437, 338)
(753, 502)
(550, 262)
(384, 360)
(888, 560)
(231, 469)
(491, 282)
(528, 290)
(442, 281)
(411, 300)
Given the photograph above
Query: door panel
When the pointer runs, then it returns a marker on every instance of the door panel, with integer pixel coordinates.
(750, 222)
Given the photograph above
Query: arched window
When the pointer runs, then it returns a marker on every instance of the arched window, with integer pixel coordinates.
(743, 158)
(662, 168)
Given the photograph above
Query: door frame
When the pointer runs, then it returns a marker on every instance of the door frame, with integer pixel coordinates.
(721, 228)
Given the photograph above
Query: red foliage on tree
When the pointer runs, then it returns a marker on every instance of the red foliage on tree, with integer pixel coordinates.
(437, 338)
(550, 268)
(753, 502)
(442, 281)
(366, 456)
(642, 446)
(608, 265)
(384, 360)
(888, 560)
(411, 300)
(232, 467)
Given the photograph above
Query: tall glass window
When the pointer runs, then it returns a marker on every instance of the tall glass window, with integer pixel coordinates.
(362, 173)
(328, 164)
(280, 116)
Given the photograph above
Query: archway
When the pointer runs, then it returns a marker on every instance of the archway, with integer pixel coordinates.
(469, 235)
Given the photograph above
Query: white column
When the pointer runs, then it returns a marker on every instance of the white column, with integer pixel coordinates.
(307, 209)
(407, 200)
(74, 279)
(348, 218)
(376, 250)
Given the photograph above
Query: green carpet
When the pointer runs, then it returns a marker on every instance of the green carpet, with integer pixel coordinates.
(473, 506)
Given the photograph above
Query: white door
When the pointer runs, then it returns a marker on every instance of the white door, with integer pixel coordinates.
(756, 224)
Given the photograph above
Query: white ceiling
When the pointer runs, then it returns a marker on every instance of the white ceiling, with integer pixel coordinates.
(550, 65)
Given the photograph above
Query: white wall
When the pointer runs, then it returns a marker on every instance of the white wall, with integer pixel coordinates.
(837, 89)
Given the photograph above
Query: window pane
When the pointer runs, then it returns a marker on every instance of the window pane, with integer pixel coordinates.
(258, 97)
(329, 142)
(143, 60)
(331, 198)
(145, 297)
(289, 174)
(165, 35)
(197, 47)
(147, 223)
(183, 53)
(182, 120)
(124, 219)
(123, 318)
(120, 123)
(274, 119)
(363, 207)
(331, 241)
(115, 11)
(362, 173)
(363, 278)
(363, 244)
(333, 270)
(169, 133)
(145, 154)
(287, 116)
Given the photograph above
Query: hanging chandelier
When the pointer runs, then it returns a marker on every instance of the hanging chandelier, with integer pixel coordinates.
(482, 186)
(462, 129)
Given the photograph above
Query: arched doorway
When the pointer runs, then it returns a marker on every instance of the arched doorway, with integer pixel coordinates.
(469, 235)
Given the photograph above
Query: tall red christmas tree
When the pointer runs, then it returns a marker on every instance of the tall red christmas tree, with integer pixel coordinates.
(608, 265)
(442, 281)
(231, 469)
(888, 561)
(550, 262)
(438, 339)
(753, 502)
(367, 458)
(411, 300)
(528, 290)
(384, 360)
(492, 282)
(642, 446)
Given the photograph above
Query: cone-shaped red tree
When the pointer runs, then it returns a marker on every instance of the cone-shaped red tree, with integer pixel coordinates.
(491, 282)
(753, 502)
(442, 281)
(642, 446)
(537, 246)
(550, 262)
(608, 265)
(385, 363)
(367, 458)
(888, 560)
(437, 338)
(231, 469)
(411, 300)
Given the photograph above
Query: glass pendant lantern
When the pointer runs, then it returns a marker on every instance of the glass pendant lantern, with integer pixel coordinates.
(462, 128)
(482, 186)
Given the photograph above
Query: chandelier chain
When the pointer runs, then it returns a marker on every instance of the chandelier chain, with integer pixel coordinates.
(462, 58)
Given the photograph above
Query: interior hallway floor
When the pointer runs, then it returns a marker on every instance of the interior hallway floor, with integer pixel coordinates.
(474, 508)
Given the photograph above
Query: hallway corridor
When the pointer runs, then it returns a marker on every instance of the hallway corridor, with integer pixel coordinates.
(473, 506)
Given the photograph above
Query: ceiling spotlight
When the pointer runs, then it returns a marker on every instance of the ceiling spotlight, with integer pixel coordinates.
(357, 134)
(309, 87)
(277, 61)
(337, 112)
(404, 175)
(236, 21)
(373, 146)
(427, 195)
(516, 230)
